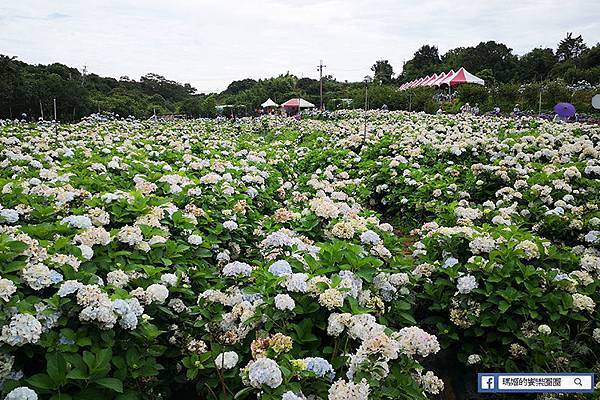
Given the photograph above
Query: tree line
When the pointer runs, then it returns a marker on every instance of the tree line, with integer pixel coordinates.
(570, 72)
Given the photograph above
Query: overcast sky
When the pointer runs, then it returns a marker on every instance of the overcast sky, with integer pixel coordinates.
(211, 43)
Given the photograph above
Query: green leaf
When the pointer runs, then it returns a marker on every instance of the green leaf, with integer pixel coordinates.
(75, 360)
(56, 368)
(408, 317)
(89, 359)
(61, 396)
(243, 393)
(78, 374)
(103, 359)
(41, 381)
(111, 383)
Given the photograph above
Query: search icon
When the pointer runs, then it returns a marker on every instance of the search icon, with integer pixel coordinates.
(577, 381)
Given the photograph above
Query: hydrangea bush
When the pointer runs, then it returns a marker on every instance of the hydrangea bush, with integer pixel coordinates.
(147, 260)
(156, 260)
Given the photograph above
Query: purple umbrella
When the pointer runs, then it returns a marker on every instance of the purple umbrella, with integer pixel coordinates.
(564, 110)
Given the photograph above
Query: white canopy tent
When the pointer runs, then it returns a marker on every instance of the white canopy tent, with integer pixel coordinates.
(269, 104)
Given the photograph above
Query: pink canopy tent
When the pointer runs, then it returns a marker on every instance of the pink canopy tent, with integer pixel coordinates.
(297, 103)
(416, 83)
(438, 79)
(430, 80)
(446, 79)
(424, 80)
(450, 78)
(463, 76)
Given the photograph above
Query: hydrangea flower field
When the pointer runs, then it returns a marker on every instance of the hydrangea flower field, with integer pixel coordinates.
(358, 256)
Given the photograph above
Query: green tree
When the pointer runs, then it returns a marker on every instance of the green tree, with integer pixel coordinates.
(192, 106)
(536, 65)
(236, 87)
(383, 72)
(491, 55)
(590, 58)
(208, 107)
(570, 48)
(425, 61)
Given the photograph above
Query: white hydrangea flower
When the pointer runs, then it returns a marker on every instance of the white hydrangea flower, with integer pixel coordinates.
(9, 216)
(194, 240)
(129, 311)
(280, 268)
(342, 390)
(466, 284)
(431, 383)
(331, 298)
(296, 282)
(69, 287)
(237, 268)
(415, 341)
(131, 235)
(86, 251)
(473, 359)
(592, 237)
(230, 225)
(226, 360)
(21, 393)
(370, 237)
(117, 278)
(39, 276)
(544, 329)
(7, 289)
(596, 334)
(284, 302)
(582, 302)
(289, 395)
(157, 293)
(169, 279)
(77, 221)
(22, 329)
(264, 372)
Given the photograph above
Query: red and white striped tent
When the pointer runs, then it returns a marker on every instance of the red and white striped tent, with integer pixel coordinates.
(449, 78)
(446, 80)
(463, 76)
(417, 82)
(421, 80)
(460, 77)
(440, 78)
(430, 80)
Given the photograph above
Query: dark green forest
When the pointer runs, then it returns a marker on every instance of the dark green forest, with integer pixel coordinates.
(570, 72)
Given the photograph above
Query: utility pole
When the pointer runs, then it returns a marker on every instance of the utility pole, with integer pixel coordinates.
(54, 100)
(367, 80)
(83, 74)
(320, 69)
(41, 110)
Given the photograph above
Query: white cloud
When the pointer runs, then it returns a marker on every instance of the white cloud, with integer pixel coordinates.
(209, 44)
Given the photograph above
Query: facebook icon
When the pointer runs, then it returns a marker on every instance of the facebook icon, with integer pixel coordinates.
(487, 383)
